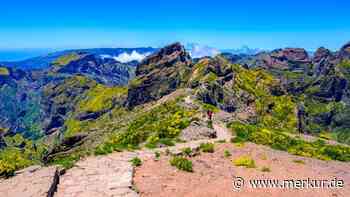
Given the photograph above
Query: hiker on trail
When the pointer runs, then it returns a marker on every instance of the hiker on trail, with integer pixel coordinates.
(301, 118)
(210, 114)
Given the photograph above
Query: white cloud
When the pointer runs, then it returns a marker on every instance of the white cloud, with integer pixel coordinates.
(126, 57)
(197, 51)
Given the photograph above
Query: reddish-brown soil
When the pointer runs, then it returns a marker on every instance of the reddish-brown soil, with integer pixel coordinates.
(213, 174)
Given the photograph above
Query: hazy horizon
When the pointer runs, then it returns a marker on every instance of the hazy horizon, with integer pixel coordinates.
(222, 24)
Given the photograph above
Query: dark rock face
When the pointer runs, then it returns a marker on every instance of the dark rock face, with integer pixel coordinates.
(323, 61)
(285, 59)
(166, 57)
(159, 75)
(344, 52)
(209, 77)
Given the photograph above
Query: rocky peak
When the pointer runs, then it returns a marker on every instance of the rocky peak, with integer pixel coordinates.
(165, 57)
(344, 52)
(291, 54)
(321, 53)
(323, 61)
(284, 59)
(160, 74)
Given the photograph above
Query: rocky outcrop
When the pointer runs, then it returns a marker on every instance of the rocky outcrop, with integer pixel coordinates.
(159, 75)
(197, 131)
(323, 61)
(283, 59)
(344, 52)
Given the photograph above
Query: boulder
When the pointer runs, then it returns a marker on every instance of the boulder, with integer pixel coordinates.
(197, 131)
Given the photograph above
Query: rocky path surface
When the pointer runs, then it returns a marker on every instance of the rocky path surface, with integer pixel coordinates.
(101, 176)
(34, 181)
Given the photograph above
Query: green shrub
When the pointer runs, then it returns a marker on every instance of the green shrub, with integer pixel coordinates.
(207, 147)
(66, 59)
(227, 154)
(210, 124)
(281, 141)
(20, 153)
(265, 169)
(12, 159)
(4, 71)
(66, 161)
(101, 98)
(108, 148)
(160, 125)
(298, 161)
(187, 151)
(157, 155)
(167, 141)
(181, 163)
(245, 161)
(136, 162)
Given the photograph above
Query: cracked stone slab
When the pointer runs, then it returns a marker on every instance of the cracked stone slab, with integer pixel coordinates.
(103, 176)
(34, 181)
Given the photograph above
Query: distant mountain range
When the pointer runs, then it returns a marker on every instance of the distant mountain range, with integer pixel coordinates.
(31, 59)
(122, 55)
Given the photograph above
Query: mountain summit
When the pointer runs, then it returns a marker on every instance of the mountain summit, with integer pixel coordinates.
(160, 74)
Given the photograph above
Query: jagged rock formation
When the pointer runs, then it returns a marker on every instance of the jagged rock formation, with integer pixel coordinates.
(344, 52)
(159, 75)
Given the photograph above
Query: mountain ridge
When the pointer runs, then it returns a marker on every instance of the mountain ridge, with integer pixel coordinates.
(81, 105)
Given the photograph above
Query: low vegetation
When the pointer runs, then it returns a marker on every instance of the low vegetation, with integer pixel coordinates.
(227, 153)
(161, 125)
(19, 153)
(66, 161)
(181, 163)
(136, 162)
(285, 142)
(265, 169)
(66, 59)
(187, 151)
(207, 147)
(4, 71)
(298, 161)
(245, 161)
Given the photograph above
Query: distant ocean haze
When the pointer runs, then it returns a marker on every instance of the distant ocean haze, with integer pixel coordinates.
(21, 54)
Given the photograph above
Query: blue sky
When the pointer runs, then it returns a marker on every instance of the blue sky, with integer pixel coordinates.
(219, 23)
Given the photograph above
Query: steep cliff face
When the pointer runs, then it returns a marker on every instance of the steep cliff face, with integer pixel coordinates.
(159, 75)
